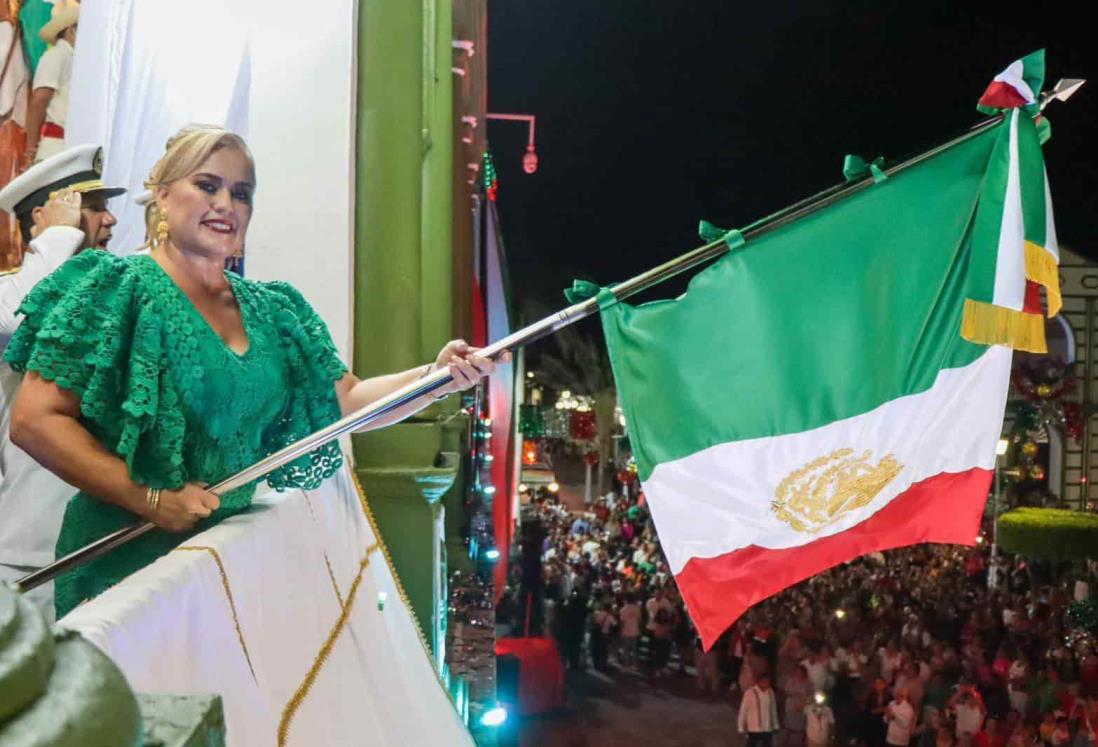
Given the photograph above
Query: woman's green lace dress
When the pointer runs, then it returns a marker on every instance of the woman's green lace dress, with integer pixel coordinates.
(160, 389)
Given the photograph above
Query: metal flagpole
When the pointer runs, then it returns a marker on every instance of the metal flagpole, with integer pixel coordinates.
(547, 326)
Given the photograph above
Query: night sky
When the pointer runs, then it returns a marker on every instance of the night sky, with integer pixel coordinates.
(654, 114)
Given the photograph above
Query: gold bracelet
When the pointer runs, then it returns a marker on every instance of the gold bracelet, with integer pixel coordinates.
(152, 499)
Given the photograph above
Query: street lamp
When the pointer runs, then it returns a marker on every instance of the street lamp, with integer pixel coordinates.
(530, 159)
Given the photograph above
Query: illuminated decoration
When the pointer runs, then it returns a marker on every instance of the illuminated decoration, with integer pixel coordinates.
(1045, 388)
(583, 426)
(552, 487)
(492, 554)
(529, 452)
(577, 402)
(489, 179)
(532, 421)
(558, 424)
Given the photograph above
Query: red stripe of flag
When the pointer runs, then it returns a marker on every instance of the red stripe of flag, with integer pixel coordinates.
(945, 508)
(1000, 95)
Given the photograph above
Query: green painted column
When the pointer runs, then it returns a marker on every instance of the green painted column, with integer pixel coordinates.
(403, 229)
(389, 152)
(437, 199)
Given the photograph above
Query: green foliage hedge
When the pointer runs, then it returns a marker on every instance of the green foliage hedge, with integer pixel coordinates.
(1049, 533)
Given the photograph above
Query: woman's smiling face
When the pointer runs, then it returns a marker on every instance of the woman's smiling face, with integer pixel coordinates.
(208, 211)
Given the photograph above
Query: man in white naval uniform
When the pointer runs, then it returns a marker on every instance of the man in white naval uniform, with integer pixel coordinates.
(61, 206)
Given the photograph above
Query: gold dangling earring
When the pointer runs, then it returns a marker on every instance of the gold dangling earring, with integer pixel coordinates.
(162, 231)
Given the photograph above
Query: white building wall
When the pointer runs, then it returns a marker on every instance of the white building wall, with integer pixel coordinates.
(281, 74)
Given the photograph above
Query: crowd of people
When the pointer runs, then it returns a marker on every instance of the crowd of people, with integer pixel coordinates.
(931, 645)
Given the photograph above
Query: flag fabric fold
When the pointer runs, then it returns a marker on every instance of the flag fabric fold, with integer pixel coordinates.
(836, 386)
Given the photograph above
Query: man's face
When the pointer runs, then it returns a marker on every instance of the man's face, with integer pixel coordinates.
(96, 221)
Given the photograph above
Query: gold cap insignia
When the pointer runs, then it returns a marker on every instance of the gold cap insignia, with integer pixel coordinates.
(815, 496)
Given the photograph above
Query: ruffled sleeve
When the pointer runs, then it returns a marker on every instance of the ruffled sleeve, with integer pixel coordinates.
(314, 366)
(90, 328)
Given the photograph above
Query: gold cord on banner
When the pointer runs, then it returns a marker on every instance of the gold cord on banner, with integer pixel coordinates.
(306, 685)
(396, 582)
(228, 596)
(389, 560)
(327, 562)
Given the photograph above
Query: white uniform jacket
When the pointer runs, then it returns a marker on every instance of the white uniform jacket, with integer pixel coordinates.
(32, 499)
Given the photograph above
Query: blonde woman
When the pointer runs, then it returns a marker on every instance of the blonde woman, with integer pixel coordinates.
(149, 377)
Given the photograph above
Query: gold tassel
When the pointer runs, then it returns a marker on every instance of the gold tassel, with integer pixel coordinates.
(987, 324)
(1042, 268)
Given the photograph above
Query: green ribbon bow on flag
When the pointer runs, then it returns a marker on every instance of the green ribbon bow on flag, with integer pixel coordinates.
(710, 233)
(583, 290)
(855, 169)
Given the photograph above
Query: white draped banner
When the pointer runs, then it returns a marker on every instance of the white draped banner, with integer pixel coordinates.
(279, 73)
(292, 613)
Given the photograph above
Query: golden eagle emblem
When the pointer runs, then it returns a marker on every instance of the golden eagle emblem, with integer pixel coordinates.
(816, 495)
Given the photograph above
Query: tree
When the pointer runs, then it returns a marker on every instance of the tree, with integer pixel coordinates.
(577, 361)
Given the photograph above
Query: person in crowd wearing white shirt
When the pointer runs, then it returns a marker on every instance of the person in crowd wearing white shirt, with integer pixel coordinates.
(900, 716)
(818, 666)
(968, 707)
(796, 691)
(630, 617)
(602, 630)
(61, 206)
(891, 660)
(909, 680)
(819, 722)
(49, 102)
(758, 718)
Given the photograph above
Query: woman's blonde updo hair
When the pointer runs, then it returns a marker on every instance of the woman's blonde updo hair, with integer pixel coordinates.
(184, 153)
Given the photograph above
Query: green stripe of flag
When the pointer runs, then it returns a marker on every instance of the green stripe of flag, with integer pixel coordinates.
(821, 320)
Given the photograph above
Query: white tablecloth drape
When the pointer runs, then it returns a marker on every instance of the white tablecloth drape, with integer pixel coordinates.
(290, 612)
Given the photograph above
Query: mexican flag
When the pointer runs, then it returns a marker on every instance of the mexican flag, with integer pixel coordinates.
(836, 387)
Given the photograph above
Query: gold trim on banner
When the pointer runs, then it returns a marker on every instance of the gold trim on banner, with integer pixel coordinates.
(392, 567)
(987, 324)
(228, 596)
(306, 685)
(327, 562)
(362, 500)
(1044, 269)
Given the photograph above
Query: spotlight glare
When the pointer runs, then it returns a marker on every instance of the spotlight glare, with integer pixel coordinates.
(494, 717)
(553, 487)
(840, 613)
